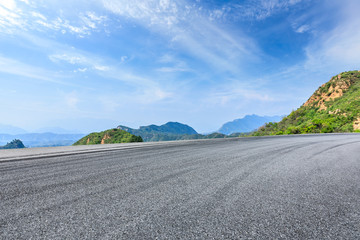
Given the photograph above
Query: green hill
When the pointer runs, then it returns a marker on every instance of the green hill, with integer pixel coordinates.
(109, 136)
(166, 132)
(334, 107)
(16, 143)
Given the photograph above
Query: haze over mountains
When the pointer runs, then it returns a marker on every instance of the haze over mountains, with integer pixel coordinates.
(56, 136)
(178, 131)
(248, 123)
(42, 139)
(9, 129)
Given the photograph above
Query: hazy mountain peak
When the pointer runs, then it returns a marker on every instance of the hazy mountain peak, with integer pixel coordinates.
(247, 123)
(9, 129)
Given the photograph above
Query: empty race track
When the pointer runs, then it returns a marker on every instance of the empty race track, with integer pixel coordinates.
(295, 187)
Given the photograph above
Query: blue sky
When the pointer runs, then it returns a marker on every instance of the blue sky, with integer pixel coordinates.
(91, 65)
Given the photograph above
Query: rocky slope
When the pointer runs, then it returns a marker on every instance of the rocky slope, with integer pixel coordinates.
(334, 107)
(108, 136)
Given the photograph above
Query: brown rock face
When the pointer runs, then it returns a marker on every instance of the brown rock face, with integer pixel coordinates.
(105, 138)
(335, 90)
(356, 124)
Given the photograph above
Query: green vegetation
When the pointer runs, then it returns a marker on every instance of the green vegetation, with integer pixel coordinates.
(171, 131)
(167, 132)
(109, 136)
(323, 113)
(16, 143)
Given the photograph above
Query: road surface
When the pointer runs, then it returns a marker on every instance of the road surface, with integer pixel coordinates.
(288, 187)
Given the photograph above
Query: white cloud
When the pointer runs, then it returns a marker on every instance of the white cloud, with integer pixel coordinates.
(337, 49)
(10, 16)
(73, 59)
(253, 9)
(146, 90)
(14, 18)
(302, 29)
(189, 28)
(101, 68)
(163, 12)
(14, 67)
(25, 1)
(81, 70)
(80, 59)
(38, 15)
(9, 4)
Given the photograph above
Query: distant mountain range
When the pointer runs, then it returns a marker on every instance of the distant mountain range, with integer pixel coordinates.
(165, 132)
(48, 137)
(42, 139)
(334, 107)
(170, 131)
(247, 124)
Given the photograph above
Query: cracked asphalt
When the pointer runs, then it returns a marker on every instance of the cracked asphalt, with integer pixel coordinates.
(287, 187)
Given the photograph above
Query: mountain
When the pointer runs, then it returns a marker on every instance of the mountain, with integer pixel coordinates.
(247, 124)
(16, 143)
(42, 139)
(167, 132)
(109, 136)
(334, 107)
(170, 127)
(9, 129)
(172, 131)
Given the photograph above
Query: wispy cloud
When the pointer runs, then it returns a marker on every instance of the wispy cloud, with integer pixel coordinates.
(172, 64)
(337, 49)
(190, 29)
(75, 58)
(11, 66)
(18, 16)
(302, 29)
(237, 92)
(10, 16)
(145, 89)
(253, 9)
(155, 12)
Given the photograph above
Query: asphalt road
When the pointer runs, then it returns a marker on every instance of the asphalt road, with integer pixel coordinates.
(298, 187)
